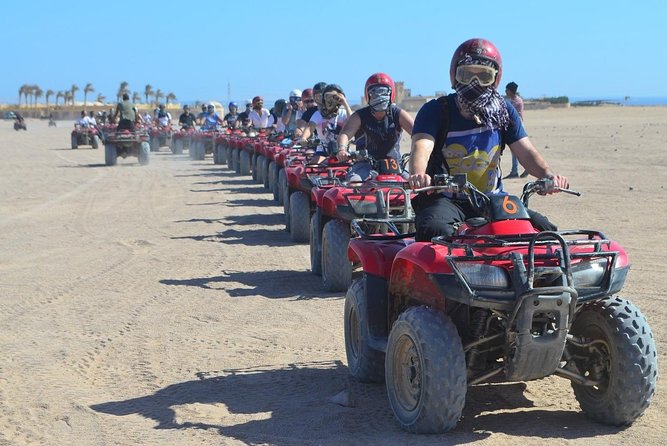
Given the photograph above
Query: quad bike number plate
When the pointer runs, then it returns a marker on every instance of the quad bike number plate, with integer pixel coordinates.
(507, 207)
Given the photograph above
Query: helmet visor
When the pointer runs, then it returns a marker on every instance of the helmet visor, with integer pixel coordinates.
(485, 75)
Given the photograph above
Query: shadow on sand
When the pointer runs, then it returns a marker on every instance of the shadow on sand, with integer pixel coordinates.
(318, 403)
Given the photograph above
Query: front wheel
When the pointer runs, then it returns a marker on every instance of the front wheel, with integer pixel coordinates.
(621, 356)
(336, 267)
(244, 159)
(144, 153)
(365, 363)
(315, 244)
(75, 142)
(299, 216)
(94, 141)
(425, 371)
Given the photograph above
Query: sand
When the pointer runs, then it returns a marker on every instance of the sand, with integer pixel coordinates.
(166, 305)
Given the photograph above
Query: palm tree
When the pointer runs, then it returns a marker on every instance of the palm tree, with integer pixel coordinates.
(158, 95)
(48, 94)
(26, 92)
(69, 97)
(38, 92)
(73, 89)
(122, 90)
(148, 91)
(101, 98)
(136, 97)
(87, 89)
(170, 97)
(21, 92)
(59, 95)
(31, 91)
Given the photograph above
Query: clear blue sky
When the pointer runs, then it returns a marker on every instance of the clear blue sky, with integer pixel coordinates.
(576, 48)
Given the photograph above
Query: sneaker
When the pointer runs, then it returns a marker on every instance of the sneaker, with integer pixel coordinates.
(511, 175)
(524, 174)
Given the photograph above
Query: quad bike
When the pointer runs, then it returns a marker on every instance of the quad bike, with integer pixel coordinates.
(383, 195)
(52, 122)
(301, 178)
(19, 124)
(498, 299)
(181, 140)
(160, 136)
(203, 143)
(83, 136)
(125, 143)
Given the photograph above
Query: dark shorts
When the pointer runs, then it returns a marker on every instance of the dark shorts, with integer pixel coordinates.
(125, 124)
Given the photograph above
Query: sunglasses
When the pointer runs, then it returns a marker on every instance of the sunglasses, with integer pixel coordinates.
(486, 76)
(308, 101)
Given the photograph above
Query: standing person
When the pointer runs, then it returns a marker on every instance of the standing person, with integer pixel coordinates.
(516, 100)
(231, 119)
(380, 124)
(293, 111)
(328, 121)
(465, 132)
(126, 114)
(259, 116)
(187, 119)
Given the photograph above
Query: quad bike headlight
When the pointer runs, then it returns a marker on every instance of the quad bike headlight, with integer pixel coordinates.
(484, 276)
(589, 274)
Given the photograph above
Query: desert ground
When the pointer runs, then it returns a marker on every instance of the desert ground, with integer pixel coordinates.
(166, 305)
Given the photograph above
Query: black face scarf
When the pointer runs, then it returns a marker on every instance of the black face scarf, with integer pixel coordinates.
(484, 103)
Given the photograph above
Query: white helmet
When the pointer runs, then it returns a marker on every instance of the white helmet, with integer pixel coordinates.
(296, 93)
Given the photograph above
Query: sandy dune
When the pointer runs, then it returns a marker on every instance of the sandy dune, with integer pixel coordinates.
(166, 305)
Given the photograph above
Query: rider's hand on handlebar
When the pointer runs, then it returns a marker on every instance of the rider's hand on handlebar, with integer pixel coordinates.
(558, 182)
(419, 180)
(342, 155)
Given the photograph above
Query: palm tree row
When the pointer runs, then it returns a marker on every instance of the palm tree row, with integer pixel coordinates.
(32, 93)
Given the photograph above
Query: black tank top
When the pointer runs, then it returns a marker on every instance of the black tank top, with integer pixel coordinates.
(383, 138)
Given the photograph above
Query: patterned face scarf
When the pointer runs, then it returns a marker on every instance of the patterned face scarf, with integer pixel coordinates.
(379, 98)
(484, 103)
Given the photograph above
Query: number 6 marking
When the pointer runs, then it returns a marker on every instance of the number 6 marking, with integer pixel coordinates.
(509, 206)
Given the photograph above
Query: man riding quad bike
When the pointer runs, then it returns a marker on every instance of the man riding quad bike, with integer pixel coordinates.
(498, 299)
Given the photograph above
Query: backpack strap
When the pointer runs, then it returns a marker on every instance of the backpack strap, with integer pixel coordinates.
(437, 159)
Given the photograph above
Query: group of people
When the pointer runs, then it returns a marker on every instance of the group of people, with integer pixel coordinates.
(464, 132)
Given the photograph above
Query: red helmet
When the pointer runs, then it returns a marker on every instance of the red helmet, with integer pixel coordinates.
(380, 79)
(477, 49)
(307, 94)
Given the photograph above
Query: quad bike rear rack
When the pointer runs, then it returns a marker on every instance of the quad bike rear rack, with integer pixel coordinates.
(380, 213)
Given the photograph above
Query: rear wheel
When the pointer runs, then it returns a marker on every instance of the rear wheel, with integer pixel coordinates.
(237, 160)
(75, 142)
(154, 144)
(425, 371)
(272, 179)
(110, 154)
(94, 141)
(177, 147)
(265, 173)
(365, 363)
(336, 267)
(299, 216)
(258, 168)
(144, 153)
(245, 163)
(621, 356)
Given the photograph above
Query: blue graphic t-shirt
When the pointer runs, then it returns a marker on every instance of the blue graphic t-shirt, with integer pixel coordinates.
(470, 148)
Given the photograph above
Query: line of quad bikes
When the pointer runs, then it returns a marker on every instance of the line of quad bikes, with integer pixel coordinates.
(499, 301)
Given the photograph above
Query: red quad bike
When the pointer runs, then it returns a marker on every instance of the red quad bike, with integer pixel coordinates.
(19, 124)
(291, 158)
(301, 177)
(499, 299)
(125, 143)
(257, 157)
(85, 136)
(385, 196)
(203, 143)
(264, 162)
(221, 145)
(160, 136)
(181, 140)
